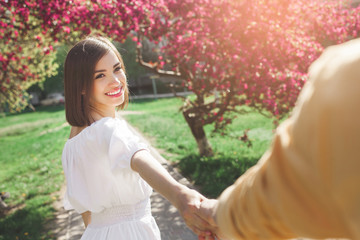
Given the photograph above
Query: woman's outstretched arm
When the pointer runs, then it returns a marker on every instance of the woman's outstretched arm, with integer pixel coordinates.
(186, 200)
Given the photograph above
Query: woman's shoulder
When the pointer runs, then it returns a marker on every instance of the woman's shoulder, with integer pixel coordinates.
(105, 123)
(98, 128)
(101, 131)
(106, 127)
(108, 124)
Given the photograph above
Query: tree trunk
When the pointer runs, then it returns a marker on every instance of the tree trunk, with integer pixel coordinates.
(197, 129)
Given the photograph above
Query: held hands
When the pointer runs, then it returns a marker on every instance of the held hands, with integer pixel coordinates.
(194, 208)
(189, 202)
(207, 212)
(198, 213)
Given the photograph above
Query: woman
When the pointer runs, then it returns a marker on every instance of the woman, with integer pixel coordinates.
(109, 173)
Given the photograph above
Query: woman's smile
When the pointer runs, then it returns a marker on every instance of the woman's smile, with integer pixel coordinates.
(116, 93)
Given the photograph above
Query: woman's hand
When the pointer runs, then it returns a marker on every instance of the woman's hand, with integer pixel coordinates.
(207, 212)
(188, 203)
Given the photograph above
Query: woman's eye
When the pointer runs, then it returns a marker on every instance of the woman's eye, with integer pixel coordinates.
(118, 69)
(99, 76)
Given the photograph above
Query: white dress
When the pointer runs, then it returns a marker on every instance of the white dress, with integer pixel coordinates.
(99, 178)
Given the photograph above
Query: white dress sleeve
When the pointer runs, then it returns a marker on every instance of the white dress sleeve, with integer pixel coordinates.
(123, 145)
(96, 161)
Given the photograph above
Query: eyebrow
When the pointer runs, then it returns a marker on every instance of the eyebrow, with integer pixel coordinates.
(115, 65)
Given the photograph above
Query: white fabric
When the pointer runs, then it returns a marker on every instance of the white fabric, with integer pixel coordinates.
(96, 164)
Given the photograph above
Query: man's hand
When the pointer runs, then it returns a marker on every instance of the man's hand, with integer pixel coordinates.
(189, 206)
(207, 212)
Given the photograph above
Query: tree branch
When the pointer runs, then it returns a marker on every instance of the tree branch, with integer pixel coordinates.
(152, 66)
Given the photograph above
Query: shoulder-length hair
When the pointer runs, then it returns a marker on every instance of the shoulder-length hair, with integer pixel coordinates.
(79, 72)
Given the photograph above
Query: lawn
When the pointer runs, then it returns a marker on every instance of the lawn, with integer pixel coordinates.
(31, 171)
(164, 125)
(31, 144)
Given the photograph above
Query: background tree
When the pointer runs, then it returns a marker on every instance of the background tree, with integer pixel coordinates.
(26, 53)
(237, 53)
(31, 31)
(229, 53)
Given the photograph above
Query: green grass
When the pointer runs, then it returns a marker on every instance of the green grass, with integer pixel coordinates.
(161, 121)
(30, 157)
(31, 170)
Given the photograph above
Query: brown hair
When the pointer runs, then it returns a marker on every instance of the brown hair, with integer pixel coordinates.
(79, 71)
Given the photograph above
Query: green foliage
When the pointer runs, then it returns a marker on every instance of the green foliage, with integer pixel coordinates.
(161, 122)
(127, 50)
(13, 96)
(54, 83)
(213, 174)
(27, 57)
(31, 171)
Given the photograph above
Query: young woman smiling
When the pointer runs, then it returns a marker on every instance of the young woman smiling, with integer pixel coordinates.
(110, 173)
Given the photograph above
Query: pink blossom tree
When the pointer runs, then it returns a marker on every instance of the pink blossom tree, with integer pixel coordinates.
(245, 53)
(27, 53)
(229, 53)
(31, 30)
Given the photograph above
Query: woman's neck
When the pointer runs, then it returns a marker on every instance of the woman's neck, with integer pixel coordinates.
(97, 114)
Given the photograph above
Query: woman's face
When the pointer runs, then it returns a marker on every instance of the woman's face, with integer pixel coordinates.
(109, 81)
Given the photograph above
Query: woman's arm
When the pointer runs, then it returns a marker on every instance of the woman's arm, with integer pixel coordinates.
(86, 216)
(186, 200)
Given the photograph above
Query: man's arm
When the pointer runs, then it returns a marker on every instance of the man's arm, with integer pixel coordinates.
(307, 183)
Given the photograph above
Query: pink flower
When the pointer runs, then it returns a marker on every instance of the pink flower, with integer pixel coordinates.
(66, 29)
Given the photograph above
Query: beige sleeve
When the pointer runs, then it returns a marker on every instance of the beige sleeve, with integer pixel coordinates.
(308, 183)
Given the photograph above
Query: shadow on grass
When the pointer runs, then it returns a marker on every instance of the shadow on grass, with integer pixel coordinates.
(25, 223)
(213, 174)
(52, 108)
